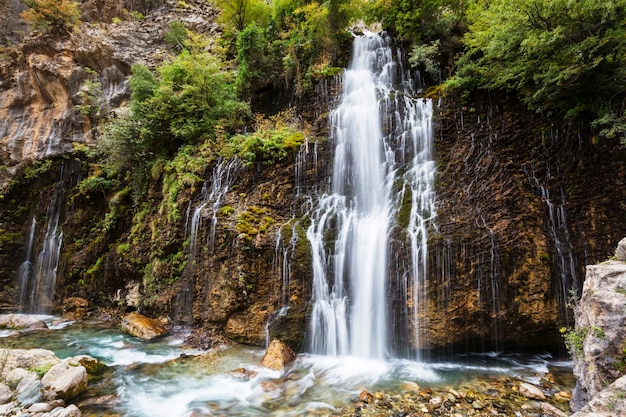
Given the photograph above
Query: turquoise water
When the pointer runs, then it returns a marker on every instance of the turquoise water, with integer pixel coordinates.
(163, 378)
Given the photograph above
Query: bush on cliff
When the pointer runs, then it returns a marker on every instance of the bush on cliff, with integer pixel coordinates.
(51, 14)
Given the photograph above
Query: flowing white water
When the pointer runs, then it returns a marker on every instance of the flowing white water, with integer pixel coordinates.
(211, 197)
(564, 262)
(382, 161)
(37, 281)
(26, 270)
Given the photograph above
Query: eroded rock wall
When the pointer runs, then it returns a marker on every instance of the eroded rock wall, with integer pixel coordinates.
(45, 102)
(522, 208)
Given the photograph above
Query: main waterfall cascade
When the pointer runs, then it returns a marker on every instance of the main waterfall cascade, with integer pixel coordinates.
(383, 178)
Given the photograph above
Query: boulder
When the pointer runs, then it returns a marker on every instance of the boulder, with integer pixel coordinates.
(29, 390)
(5, 394)
(91, 364)
(25, 359)
(75, 308)
(39, 408)
(69, 411)
(531, 391)
(600, 331)
(14, 376)
(548, 410)
(64, 381)
(21, 322)
(142, 327)
(278, 356)
(7, 409)
(620, 252)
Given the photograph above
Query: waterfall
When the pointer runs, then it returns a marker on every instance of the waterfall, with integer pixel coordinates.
(212, 195)
(209, 204)
(382, 166)
(38, 281)
(564, 260)
(26, 269)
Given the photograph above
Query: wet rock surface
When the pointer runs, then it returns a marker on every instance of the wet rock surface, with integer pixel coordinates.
(278, 356)
(142, 327)
(21, 322)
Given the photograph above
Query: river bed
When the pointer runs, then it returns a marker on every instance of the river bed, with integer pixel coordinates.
(163, 378)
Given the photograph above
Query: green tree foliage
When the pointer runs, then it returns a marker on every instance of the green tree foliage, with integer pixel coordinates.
(433, 27)
(301, 42)
(51, 14)
(176, 34)
(562, 57)
(192, 95)
(191, 100)
(237, 14)
(257, 61)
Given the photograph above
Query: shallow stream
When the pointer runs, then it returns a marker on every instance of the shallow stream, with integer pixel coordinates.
(163, 378)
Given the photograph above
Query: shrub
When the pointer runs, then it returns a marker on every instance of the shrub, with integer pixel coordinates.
(51, 14)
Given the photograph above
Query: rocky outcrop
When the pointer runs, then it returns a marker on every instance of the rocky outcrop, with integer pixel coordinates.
(75, 308)
(143, 327)
(42, 383)
(47, 95)
(610, 402)
(598, 342)
(620, 252)
(520, 211)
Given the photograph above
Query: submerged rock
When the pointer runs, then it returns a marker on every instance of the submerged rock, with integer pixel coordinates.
(21, 322)
(531, 391)
(278, 356)
(142, 327)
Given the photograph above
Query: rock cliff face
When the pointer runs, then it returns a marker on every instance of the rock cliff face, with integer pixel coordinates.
(521, 210)
(598, 342)
(521, 207)
(47, 95)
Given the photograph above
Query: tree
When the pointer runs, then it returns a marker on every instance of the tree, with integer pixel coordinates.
(51, 14)
(562, 57)
(237, 14)
(433, 28)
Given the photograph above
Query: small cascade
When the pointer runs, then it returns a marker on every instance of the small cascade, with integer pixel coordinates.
(564, 262)
(284, 254)
(38, 281)
(211, 199)
(26, 269)
(209, 204)
(383, 170)
(306, 166)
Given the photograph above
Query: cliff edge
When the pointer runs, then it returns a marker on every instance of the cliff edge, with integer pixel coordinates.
(598, 342)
